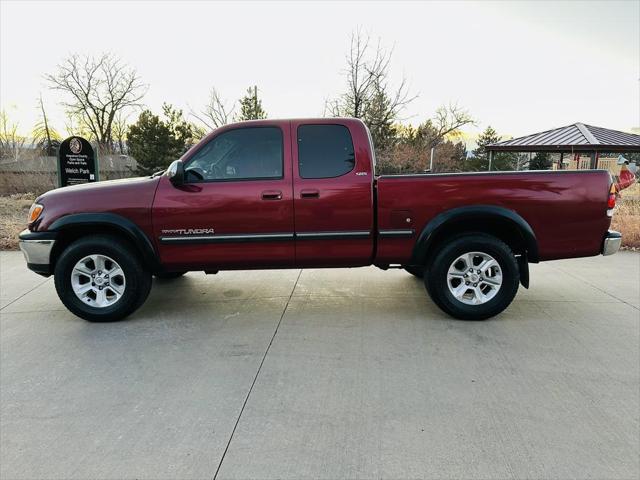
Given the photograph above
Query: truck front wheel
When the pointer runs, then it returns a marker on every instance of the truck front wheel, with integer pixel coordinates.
(473, 277)
(99, 278)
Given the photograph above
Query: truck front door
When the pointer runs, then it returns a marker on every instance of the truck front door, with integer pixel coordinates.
(235, 209)
(333, 196)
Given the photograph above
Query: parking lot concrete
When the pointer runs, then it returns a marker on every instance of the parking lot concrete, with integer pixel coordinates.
(324, 374)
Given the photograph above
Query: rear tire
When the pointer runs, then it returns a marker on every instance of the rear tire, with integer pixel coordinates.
(491, 282)
(99, 278)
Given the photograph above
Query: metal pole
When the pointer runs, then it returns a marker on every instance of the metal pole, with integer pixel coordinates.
(255, 99)
(433, 152)
(561, 158)
(490, 158)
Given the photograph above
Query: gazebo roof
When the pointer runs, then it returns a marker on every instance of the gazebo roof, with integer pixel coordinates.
(576, 137)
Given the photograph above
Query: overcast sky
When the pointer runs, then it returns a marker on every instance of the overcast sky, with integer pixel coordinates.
(520, 67)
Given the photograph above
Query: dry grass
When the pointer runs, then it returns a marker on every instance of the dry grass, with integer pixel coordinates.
(626, 218)
(12, 183)
(13, 218)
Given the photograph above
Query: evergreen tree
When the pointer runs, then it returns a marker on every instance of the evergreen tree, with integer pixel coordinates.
(251, 106)
(542, 161)
(156, 142)
(480, 160)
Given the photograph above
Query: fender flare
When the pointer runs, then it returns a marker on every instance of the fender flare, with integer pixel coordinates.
(474, 212)
(113, 221)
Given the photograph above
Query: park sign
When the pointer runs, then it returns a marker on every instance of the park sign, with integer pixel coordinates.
(77, 162)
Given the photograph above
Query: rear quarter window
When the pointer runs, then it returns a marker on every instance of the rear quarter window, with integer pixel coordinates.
(325, 151)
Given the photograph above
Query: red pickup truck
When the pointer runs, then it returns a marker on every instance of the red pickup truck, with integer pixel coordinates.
(301, 194)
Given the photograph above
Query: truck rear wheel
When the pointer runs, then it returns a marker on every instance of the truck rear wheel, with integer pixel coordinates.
(473, 277)
(99, 278)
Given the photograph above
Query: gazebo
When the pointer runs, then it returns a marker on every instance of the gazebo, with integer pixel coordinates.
(575, 139)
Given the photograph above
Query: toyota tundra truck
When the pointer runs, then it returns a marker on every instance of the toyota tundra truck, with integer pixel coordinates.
(304, 193)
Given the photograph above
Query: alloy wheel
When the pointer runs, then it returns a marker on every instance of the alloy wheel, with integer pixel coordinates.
(474, 278)
(98, 281)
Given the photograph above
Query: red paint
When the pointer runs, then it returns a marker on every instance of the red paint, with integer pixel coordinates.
(229, 207)
(343, 204)
(131, 198)
(567, 210)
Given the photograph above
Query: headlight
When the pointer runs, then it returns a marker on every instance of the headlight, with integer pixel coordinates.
(34, 212)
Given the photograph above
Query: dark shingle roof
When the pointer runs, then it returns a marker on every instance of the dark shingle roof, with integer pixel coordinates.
(575, 137)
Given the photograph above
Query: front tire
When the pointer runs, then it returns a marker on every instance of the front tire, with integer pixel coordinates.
(473, 277)
(99, 278)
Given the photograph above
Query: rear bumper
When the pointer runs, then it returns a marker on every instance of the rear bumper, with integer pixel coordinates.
(612, 242)
(36, 248)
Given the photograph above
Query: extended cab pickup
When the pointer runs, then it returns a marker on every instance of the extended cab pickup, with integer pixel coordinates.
(303, 193)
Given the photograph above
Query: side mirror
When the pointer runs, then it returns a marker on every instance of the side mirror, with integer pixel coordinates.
(175, 172)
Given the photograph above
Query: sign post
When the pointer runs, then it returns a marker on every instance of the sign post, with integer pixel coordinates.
(77, 162)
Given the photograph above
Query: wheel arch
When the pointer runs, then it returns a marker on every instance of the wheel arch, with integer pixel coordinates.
(500, 222)
(72, 227)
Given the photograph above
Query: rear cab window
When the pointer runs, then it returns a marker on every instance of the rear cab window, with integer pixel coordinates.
(324, 151)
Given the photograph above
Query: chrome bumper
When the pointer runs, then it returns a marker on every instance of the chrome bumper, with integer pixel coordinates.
(36, 248)
(612, 242)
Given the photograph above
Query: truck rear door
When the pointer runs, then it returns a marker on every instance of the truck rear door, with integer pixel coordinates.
(333, 193)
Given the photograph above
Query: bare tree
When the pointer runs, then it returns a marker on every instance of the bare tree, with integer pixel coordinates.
(369, 95)
(119, 131)
(447, 122)
(521, 161)
(216, 113)
(75, 126)
(45, 136)
(443, 127)
(11, 142)
(98, 88)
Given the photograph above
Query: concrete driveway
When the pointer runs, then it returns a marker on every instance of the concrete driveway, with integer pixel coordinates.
(324, 374)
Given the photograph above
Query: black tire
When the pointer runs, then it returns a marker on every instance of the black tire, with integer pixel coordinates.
(415, 271)
(436, 279)
(168, 275)
(138, 280)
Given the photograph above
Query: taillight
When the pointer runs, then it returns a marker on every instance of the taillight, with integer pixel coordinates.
(611, 201)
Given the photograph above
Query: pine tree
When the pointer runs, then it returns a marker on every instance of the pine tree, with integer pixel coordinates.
(251, 106)
(542, 161)
(480, 160)
(156, 142)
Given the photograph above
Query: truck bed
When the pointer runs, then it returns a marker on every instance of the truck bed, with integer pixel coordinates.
(565, 209)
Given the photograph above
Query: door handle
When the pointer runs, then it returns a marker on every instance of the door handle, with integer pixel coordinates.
(272, 195)
(310, 193)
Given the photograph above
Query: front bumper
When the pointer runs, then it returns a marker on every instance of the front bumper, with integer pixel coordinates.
(36, 248)
(612, 242)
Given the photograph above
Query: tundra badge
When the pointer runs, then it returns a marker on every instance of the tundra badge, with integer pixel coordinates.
(188, 231)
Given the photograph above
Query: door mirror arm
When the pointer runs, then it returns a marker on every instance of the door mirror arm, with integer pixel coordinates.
(175, 172)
